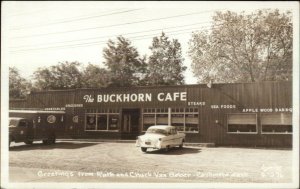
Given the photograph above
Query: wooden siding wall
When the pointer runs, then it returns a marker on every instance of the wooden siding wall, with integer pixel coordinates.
(16, 103)
(242, 95)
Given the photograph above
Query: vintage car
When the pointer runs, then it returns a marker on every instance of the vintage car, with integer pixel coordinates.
(160, 137)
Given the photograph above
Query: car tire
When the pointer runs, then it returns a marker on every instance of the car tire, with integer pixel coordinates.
(181, 145)
(167, 148)
(144, 149)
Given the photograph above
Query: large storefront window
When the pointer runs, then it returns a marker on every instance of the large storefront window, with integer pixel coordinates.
(276, 123)
(162, 116)
(102, 120)
(184, 119)
(90, 122)
(242, 123)
(177, 119)
(113, 122)
(149, 118)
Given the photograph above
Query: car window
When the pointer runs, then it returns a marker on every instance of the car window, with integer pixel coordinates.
(157, 131)
(175, 131)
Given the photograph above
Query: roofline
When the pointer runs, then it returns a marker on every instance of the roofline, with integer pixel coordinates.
(36, 111)
(156, 86)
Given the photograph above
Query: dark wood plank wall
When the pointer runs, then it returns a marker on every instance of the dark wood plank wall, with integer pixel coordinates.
(251, 96)
(243, 95)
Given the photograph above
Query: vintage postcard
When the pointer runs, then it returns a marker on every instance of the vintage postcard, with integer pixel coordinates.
(149, 94)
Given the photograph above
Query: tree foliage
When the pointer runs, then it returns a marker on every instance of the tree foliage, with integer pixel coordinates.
(244, 47)
(64, 75)
(95, 77)
(123, 62)
(165, 65)
(18, 86)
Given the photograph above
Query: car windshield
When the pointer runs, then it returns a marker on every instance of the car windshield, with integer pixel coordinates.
(157, 131)
(13, 122)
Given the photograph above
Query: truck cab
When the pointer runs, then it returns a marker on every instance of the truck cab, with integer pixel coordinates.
(20, 130)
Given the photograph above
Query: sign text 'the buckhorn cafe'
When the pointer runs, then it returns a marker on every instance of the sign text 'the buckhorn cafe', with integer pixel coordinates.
(137, 97)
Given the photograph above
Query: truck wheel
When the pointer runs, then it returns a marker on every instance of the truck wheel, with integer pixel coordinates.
(46, 141)
(29, 142)
(52, 141)
(143, 149)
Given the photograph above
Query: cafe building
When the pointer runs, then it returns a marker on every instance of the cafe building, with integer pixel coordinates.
(235, 114)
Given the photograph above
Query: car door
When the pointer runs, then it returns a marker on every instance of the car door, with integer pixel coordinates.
(173, 139)
(168, 140)
(177, 137)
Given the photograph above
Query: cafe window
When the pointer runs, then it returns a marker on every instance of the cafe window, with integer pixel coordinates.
(148, 120)
(113, 122)
(102, 120)
(191, 122)
(184, 119)
(90, 122)
(242, 123)
(162, 119)
(276, 123)
(177, 120)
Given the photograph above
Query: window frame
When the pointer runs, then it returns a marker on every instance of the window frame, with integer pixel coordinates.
(275, 133)
(174, 110)
(106, 112)
(256, 121)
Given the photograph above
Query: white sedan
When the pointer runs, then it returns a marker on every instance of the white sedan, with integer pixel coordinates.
(160, 137)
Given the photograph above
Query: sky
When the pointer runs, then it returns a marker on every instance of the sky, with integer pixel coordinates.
(43, 33)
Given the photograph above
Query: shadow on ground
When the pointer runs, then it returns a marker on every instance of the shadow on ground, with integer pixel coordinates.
(59, 145)
(175, 151)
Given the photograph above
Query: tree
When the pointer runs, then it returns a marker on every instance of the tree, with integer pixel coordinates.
(244, 48)
(18, 86)
(95, 77)
(123, 62)
(165, 66)
(64, 75)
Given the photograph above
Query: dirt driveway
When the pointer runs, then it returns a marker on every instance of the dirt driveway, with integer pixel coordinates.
(123, 162)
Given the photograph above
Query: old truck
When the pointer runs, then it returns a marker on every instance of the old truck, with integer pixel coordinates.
(33, 125)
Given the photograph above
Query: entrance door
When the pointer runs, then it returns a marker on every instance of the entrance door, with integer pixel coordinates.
(130, 120)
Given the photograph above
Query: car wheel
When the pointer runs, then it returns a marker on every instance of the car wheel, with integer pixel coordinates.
(181, 145)
(167, 148)
(143, 149)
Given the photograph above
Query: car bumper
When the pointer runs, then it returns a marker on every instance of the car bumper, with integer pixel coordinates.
(152, 144)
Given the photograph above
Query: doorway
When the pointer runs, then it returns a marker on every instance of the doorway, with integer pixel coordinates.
(130, 121)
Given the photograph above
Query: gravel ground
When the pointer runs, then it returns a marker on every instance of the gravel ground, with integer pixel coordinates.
(123, 162)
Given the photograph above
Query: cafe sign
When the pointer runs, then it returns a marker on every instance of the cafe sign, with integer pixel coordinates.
(137, 97)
